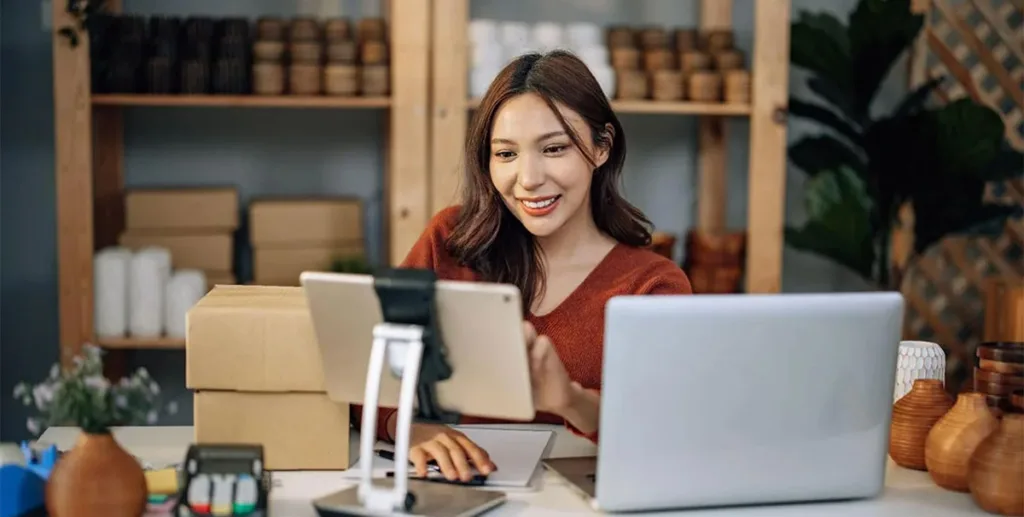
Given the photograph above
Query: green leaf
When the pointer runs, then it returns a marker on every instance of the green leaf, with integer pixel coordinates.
(879, 31)
(916, 99)
(839, 221)
(823, 115)
(1007, 165)
(819, 46)
(840, 99)
(968, 137)
(819, 153)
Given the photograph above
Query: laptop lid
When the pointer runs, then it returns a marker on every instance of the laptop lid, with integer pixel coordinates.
(716, 400)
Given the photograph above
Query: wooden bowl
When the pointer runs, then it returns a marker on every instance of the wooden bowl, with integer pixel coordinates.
(338, 29)
(304, 29)
(271, 51)
(341, 79)
(686, 40)
(659, 59)
(621, 37)
(625, 58)
(631, 84)
(705, 86)
(667, 85)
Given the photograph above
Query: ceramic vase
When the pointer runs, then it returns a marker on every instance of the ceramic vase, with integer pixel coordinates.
(96, 478)
(995, 474)
(913, 416)
(918, 360)
(953, 439)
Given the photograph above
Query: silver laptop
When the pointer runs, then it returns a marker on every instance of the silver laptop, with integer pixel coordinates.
(722, 400)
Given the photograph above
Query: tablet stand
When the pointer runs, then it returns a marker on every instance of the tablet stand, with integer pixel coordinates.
(410, 341)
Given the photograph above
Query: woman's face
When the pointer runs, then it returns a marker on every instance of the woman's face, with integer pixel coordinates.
(542, 177)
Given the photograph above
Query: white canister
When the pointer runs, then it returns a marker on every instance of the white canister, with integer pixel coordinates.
(490, 54)
(184, 289)
(548, 35)
(480, 79)
(482, 30)
(150, 268)
(594, 56)
(110, 272)
(918, 360)
(514, 34)
(579, 35)
(605, 76)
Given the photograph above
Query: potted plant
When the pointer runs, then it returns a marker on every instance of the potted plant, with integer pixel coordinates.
(865, 167)
(96, 477)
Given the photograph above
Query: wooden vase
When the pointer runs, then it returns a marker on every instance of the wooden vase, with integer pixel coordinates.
(995, 473)
(96, 478)
(913, 416)
(953, 439)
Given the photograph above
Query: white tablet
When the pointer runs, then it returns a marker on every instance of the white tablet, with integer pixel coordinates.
(481, 325)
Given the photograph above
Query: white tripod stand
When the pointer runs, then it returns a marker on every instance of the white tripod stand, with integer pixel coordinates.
(410, 342)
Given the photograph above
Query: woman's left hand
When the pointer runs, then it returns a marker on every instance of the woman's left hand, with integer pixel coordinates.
(553, 390)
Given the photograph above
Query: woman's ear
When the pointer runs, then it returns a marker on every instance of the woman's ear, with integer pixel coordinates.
(604, 145)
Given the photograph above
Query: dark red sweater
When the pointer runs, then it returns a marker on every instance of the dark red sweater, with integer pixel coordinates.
(576, 326)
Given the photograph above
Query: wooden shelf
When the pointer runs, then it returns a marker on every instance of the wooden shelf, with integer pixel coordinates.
(131, 343)
(668, 108)
(242, 101)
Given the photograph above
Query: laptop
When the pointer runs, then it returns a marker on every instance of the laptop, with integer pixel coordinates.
(726, 400)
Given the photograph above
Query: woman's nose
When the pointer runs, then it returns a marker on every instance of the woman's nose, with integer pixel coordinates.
(530, 174)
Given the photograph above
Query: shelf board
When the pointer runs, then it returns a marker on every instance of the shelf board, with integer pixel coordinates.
(242, 101)
(669, 108)
(133, 343)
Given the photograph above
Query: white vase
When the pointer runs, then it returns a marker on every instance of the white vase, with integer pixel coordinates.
(918, 360)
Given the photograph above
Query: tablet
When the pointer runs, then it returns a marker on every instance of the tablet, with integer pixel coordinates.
(482, 328)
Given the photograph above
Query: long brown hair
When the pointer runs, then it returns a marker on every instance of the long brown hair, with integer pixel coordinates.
(488, 238)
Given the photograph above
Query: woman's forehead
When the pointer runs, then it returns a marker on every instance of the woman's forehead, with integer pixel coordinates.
(528, 116)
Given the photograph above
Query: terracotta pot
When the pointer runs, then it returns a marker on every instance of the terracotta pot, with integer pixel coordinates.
(953, 439)
(96, 478)
(913, 416)
(995, 474)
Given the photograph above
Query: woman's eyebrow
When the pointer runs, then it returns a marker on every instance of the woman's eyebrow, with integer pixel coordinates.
(541, 138)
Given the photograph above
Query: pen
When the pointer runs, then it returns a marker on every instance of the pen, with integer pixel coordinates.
(390, 456)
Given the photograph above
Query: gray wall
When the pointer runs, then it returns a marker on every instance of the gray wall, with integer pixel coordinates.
(302, 152)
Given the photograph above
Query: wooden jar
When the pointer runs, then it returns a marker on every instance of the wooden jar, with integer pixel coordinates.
(718, 39)
(342, 52)
(338, 29)
(913, 417)
(686, 40)
(375, 81)
(304, 79)
(631, 84)
(995, 474)
(737, 87)
(667, 85)
(625, 58)
(658, 59)
(728, 59)
(1004, 310)
(621, 37)
(715, 261)
(268, 78)
(268, 51)
(705, 86)
(306, 52)
(953, 439)
(304, 29)
(653, 37)
(371, 29)
(374, 52)
(341, 79)
(271, 28)
(694, 60)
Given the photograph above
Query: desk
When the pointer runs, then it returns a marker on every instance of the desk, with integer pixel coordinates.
(908, 493)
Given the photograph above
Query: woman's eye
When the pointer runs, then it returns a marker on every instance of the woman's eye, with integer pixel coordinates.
(504, 155)
(555, 149)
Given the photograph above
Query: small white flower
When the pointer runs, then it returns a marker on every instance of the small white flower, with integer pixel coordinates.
(98, 383)
(20, 391)
(143, 373)
(151, 417)
(55, 371)
(172, 407)
(33, 425)
(121, 402)
(42, 395)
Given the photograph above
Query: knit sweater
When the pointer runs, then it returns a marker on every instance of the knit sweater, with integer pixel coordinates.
(576, 326)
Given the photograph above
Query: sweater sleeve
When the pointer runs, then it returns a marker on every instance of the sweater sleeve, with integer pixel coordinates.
(421, 256)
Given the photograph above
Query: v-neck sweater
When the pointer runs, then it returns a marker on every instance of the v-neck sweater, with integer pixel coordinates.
(576, 325)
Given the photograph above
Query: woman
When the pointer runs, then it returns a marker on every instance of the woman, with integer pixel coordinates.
(541, 210)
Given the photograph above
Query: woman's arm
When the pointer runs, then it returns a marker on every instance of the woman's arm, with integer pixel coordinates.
(583, 414)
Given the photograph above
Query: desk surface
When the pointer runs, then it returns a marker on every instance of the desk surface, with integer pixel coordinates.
(908, 493)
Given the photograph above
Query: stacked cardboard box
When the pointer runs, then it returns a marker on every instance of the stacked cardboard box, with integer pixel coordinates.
(196, 225)
(290, 236)
(253, 364)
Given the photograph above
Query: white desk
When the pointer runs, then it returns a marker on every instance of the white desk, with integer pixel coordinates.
(908, 493)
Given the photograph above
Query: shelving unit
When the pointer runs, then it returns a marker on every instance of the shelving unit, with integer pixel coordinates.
(89, 158)
(766, 112)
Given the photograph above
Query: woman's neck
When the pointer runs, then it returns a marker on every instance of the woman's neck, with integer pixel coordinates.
(579, 240)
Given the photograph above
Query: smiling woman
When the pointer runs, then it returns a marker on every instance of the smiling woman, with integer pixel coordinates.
(542, 210)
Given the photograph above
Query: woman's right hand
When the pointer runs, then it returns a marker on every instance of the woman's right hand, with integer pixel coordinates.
(453, 452)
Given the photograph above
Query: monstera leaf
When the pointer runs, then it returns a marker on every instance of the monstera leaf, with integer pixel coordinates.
(838, 221)
(879, 32)
(814, 154)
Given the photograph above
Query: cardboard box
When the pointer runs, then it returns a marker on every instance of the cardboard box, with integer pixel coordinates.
(211, 210)
(252, 338)
(299, 431)
(305, 222)
(212, 253)
(282, 266)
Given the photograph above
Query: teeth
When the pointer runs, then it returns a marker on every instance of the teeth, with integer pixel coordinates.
(539, 204)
